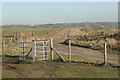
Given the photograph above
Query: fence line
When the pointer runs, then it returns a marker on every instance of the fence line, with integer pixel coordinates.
(52, 49)
(9, 38)
(44, 48)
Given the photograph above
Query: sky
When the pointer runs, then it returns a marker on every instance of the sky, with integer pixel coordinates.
(60, 0)
(58, 12)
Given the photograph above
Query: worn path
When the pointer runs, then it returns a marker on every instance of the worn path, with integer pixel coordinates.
(80, 51)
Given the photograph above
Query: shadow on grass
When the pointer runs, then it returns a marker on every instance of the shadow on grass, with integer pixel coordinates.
(15, 60)
(98, 64)
(66, 43)
(17, 57)
(88, 63)
(58, 60)
(12, 56)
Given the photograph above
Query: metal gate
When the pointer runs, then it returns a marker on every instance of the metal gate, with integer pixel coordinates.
(41, 50)
(24, 49)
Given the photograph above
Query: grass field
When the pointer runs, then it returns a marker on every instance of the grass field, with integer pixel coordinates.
(37, 31)
(23, 34)
(80, 67)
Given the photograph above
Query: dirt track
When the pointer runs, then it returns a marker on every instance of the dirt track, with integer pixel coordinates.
(84, 52)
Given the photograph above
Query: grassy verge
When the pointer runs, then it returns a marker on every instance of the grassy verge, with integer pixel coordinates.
(79, 68)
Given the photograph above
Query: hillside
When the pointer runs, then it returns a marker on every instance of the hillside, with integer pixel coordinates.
(57, 25)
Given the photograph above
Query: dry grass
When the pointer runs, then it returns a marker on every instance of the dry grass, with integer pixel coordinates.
(95, 38)
(24, 34)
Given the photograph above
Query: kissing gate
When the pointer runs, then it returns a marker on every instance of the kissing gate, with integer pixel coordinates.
(40, 49)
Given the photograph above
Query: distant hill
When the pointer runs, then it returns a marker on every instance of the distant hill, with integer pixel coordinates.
(57, 25)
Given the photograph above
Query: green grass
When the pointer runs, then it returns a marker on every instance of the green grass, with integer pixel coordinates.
(96, 29)
(72, 70)
(80, 67)
(99, 28)
(37, 31)
(9, 74)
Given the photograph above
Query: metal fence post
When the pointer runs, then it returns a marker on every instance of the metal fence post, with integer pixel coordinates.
(43, 50)
(34, 50)
(45, 44)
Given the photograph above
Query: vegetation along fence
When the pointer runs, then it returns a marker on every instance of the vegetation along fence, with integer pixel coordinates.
(41, 49)
(44, 50)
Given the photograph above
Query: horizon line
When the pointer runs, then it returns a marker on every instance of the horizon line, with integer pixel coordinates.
(61, 23)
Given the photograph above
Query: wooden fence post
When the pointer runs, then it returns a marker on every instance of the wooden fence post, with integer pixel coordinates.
(69, 51)
(51, 48)
(19, 33)
(27, 37)
(3, 48)
(32, 33)
(105, 53)
(34, 50)
(16, 36)
(11, 39)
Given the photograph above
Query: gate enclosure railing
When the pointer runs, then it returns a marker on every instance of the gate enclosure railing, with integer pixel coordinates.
(40, 49)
